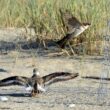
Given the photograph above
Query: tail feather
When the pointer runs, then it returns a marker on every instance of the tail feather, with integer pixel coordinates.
(62, 43)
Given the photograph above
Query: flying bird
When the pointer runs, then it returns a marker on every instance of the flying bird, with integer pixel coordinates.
(74, 28)
(36, 83)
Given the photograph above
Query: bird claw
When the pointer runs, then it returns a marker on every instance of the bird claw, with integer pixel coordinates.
(34, 93)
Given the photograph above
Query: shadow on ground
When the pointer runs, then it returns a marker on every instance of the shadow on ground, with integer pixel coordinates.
(16, 94)
(2, 70)
(42, 47)
(26, 44)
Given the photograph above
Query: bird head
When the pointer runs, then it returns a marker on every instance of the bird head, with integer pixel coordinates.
(35, 71)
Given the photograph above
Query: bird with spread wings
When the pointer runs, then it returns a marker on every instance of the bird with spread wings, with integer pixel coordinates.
(36, 82)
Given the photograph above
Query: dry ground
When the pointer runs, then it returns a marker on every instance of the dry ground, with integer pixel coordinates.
(85, 94)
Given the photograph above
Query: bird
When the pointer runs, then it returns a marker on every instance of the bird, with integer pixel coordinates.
(36, 84)
(74, 27)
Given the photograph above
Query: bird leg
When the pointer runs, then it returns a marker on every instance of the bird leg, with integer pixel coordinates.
(35, 90)
(34, 93)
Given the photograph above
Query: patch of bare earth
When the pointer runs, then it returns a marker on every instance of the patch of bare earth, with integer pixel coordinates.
(77, 94)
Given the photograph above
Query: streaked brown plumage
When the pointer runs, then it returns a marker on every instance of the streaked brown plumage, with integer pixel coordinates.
(37, 82)
(74, 27)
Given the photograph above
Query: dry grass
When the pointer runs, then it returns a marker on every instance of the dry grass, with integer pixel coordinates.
(44, 16)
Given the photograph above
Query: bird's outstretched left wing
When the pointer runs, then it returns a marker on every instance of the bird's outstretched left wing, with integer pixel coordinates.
(58, 76)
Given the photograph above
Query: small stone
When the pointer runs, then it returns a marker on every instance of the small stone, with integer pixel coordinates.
(71, 105)
(3, 98)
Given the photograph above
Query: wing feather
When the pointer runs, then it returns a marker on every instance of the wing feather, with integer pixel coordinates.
(14, 80)
(70, 21)
(58, 76)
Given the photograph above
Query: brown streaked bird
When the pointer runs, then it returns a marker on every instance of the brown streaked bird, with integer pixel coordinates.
(36, 84)
(74, 28)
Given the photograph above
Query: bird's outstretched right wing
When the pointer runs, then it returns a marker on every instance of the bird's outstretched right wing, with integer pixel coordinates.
(58, 76)
(14, 80)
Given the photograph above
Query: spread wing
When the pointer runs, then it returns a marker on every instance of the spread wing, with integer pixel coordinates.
(58, 76)
(70, 21)
(14, 80)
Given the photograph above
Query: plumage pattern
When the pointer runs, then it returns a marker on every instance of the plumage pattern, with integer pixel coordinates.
(15, 80)
(74, 27)
(70, 21)
(58, 76)
(37, 82)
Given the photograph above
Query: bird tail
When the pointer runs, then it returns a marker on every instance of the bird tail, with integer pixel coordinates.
(62, 43)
